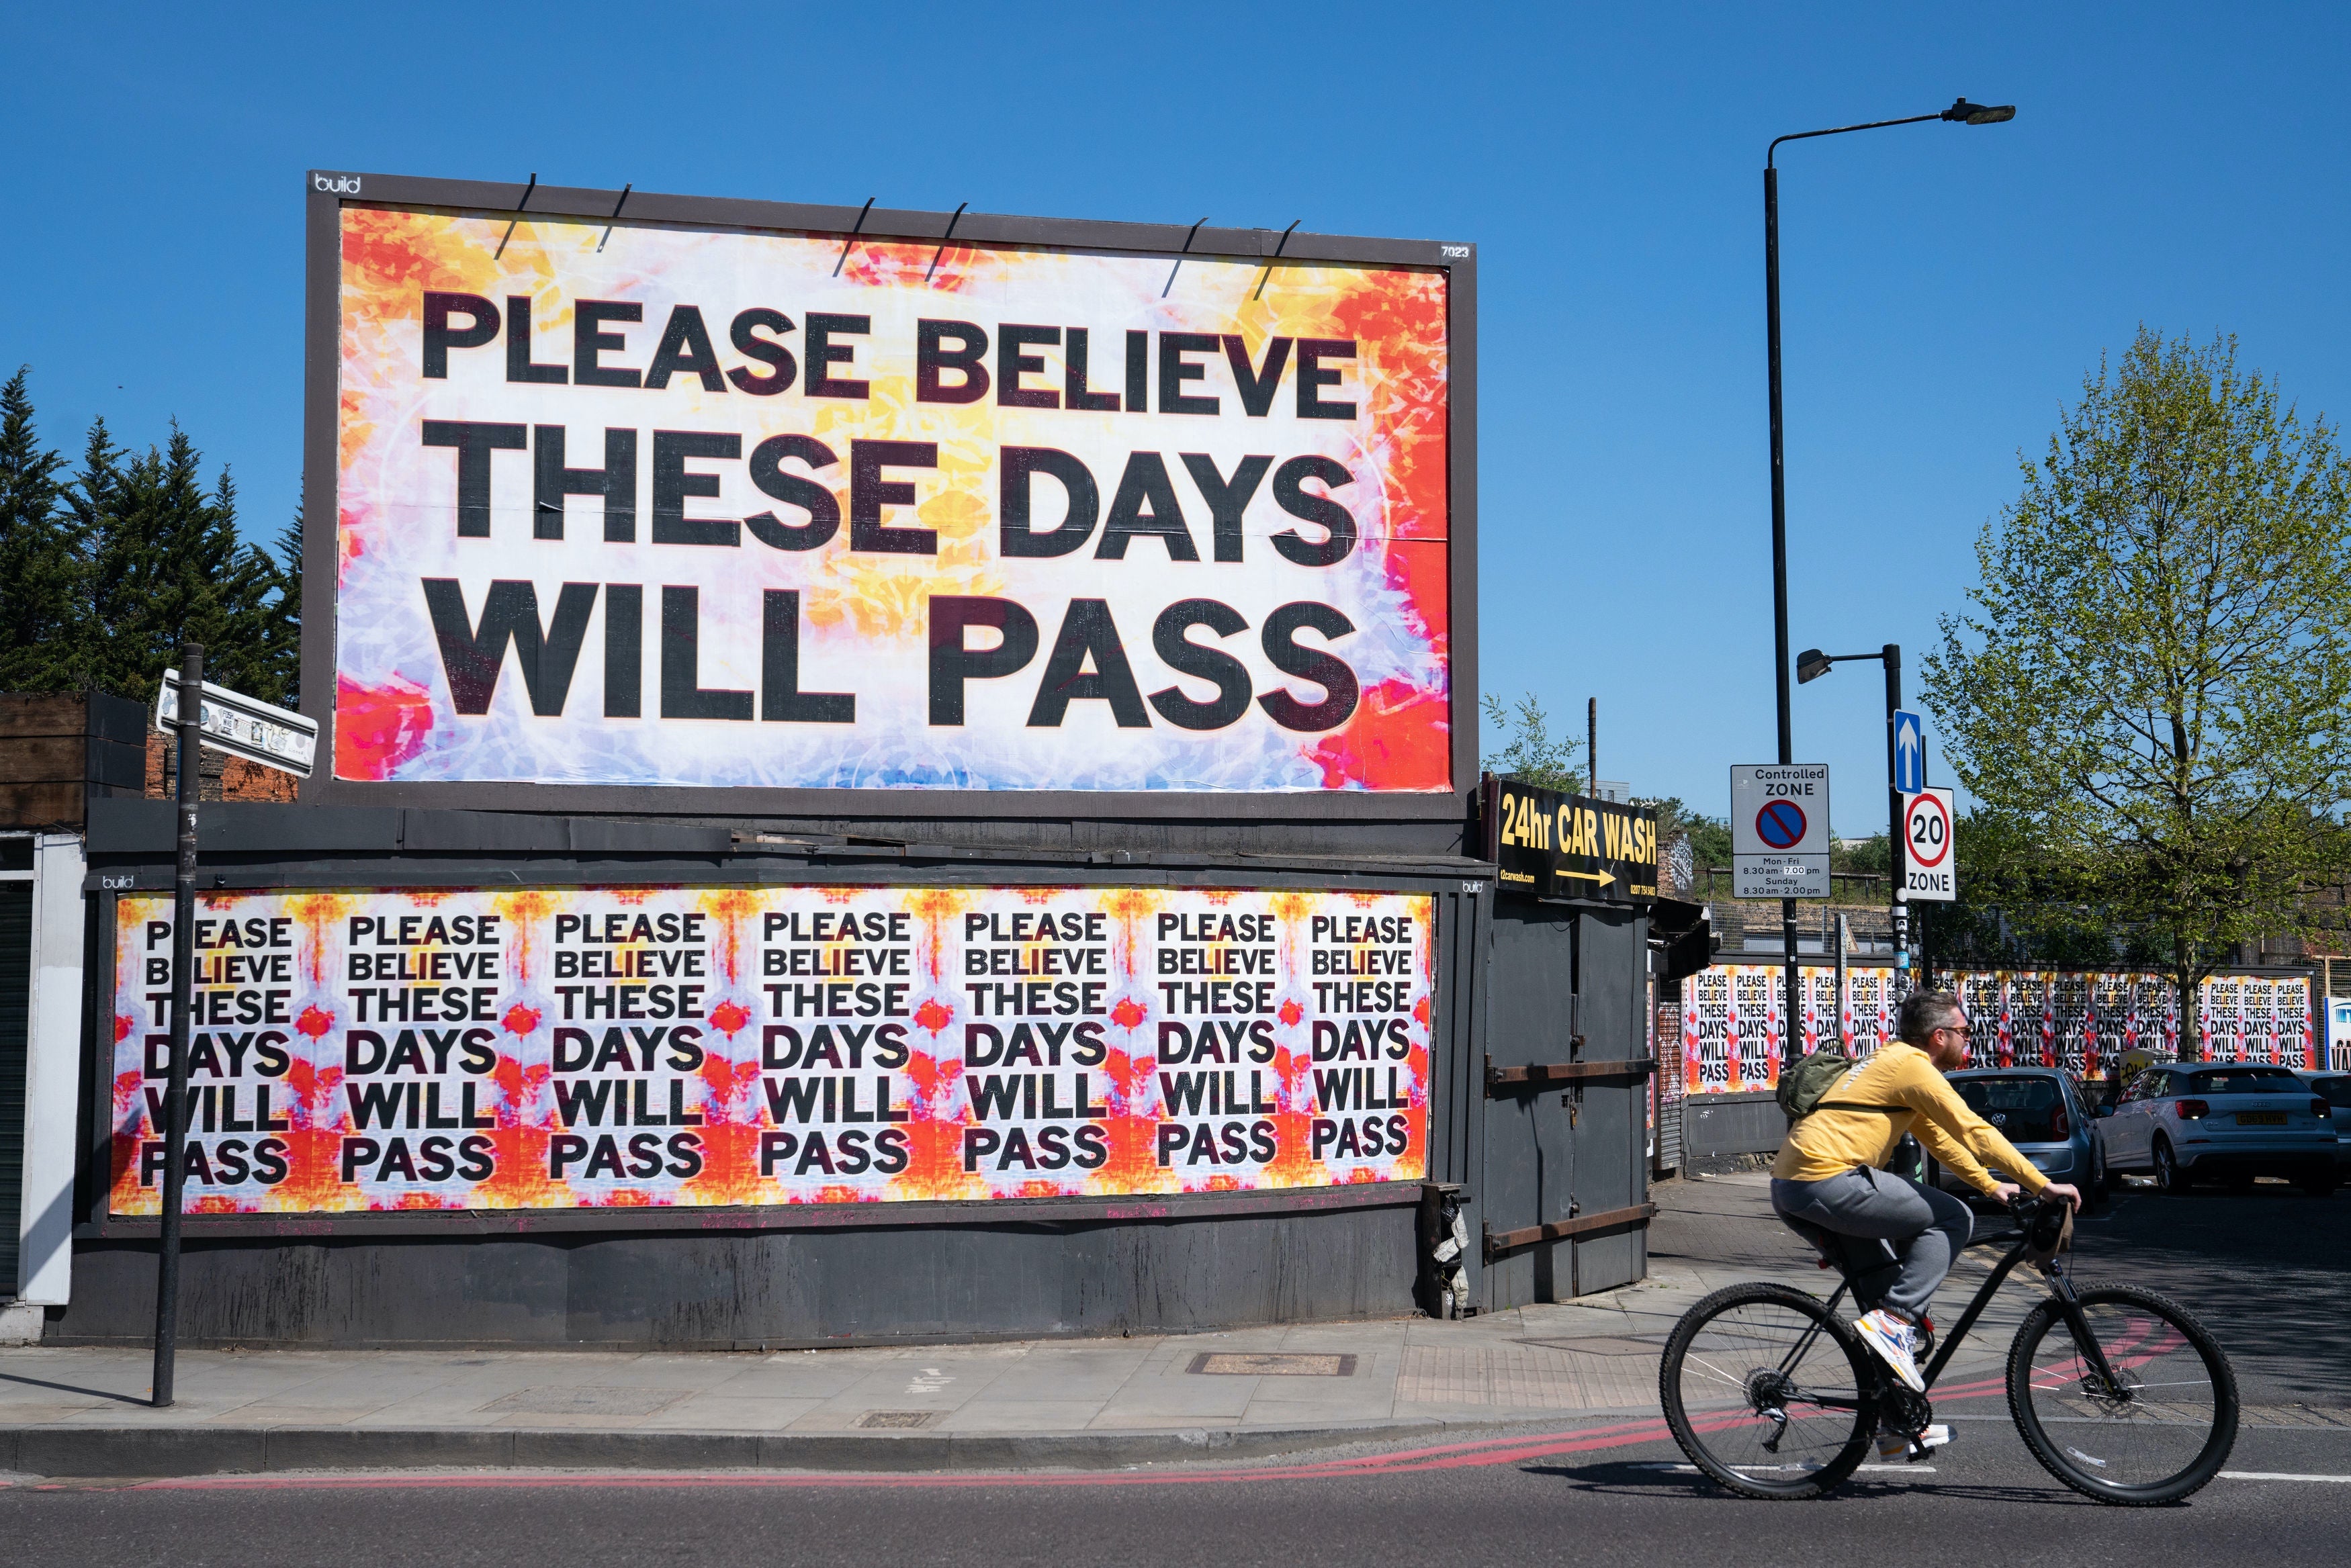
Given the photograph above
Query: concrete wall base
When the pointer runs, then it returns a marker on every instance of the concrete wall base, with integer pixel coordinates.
(773, 1290)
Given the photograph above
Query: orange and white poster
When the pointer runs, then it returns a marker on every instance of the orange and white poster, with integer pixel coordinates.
(546, 1048)
(649, 504)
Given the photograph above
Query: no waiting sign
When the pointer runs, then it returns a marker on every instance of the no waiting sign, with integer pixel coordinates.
(1932, 869)
(1780, 830)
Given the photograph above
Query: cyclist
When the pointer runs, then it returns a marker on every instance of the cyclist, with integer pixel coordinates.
(1826, 1182)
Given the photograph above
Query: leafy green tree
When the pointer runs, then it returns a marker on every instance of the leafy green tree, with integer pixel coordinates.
(41, 620)
(1533, 754)
(2152, 686)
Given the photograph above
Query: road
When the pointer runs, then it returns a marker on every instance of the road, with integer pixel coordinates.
(1595, 1497)
(2268, 1271)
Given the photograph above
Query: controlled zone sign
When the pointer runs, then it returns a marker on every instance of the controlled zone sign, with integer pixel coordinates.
(1780, 830)
(1931, 860)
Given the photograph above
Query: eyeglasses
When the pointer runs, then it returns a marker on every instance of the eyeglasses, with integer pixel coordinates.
(1955, 1028)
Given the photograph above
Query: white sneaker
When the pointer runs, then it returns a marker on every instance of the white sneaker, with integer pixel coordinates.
(1890, 1337)
(1894, 1444)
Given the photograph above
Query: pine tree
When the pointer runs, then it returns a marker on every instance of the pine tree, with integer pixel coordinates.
(281, 630)
(42, 627)
(166, 567)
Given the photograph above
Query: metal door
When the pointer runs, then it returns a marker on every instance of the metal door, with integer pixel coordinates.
(1564, 1170)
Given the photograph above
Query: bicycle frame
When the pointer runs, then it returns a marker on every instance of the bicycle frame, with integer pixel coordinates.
(2059, 1286)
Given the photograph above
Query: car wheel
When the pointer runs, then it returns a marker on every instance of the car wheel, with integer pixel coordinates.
(2100, 1179)
(2169, 1175)
(2320, 1181)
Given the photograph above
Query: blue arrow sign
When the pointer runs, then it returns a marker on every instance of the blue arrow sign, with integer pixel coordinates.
(1909, 754)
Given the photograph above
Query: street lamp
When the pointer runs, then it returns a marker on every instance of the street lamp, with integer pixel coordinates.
(1961, 112)
(1811, 665)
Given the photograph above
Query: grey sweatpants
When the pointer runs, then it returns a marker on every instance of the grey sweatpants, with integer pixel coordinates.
(1925, 1226)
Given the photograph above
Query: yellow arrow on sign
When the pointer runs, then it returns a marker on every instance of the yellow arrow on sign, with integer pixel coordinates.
(1603, 877)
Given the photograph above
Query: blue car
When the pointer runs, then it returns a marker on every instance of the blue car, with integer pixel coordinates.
(2232, 1122)
(2042, 1111)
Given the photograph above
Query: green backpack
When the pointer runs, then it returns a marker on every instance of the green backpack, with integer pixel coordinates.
(1803, 1085)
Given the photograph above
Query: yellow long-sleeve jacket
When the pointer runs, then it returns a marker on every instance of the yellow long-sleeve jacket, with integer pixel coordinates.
(1833, 1141)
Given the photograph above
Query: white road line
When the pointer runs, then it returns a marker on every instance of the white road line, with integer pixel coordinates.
(2276, 1474)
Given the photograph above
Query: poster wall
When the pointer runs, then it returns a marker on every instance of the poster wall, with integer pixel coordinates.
(1731, 1022)
(2082, 1021)
(665, 504)
(544, 1048)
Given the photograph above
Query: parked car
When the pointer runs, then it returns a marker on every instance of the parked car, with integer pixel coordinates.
(2187, 1122)
(2334, 1086)
(2042, 1111)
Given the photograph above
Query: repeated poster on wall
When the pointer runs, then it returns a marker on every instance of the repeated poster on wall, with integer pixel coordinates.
(1733, 1027)
(551, 1048)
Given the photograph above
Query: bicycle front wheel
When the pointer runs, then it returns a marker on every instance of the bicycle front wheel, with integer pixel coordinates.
(2151, 1425)
(1767, 1393)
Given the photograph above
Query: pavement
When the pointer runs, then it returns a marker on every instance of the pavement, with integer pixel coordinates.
(1105, 1404)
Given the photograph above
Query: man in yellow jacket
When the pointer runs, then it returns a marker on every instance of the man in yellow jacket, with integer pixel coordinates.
(1826, 1179)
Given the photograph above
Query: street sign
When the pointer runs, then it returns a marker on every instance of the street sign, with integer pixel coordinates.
(1780, 830)
(243, 727)
(1909, 754)
(1550, 844)
(1931, 864)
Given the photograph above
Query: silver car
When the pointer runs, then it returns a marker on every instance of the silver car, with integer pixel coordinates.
(2232, 1122)
(2042, 1111)
(2333, 1084)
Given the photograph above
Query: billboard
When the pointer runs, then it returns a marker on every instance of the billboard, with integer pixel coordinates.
(652, 501)
(694, 1047)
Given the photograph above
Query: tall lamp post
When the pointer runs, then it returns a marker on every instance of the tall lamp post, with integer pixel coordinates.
(1961, 112)
(1811, 665)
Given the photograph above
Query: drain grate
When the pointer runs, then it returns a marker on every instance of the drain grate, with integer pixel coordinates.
(1260, 1364)
(897, 1420)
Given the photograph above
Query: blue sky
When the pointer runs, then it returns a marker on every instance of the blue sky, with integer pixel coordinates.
(1945, 289)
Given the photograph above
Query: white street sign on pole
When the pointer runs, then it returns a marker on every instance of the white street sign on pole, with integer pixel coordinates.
(243, 727)
(1780, 830)
(1929, 847)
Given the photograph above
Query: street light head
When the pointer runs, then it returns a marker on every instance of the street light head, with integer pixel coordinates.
(1965, 113)
(1812, 664)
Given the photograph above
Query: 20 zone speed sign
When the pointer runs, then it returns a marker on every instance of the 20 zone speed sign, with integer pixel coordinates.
(1930, 870)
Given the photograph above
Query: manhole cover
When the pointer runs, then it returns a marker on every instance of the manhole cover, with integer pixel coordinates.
(899, 1419)
(1254, 1364)
(587, 1400)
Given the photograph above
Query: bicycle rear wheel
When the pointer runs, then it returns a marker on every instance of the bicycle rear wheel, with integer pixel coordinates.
(2155, 1429)
(1767, 1393)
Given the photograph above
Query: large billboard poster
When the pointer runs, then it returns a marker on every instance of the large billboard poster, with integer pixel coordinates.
(546, 1048)
(657, 504)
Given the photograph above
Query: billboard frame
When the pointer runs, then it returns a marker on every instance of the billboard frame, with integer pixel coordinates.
(326, 191)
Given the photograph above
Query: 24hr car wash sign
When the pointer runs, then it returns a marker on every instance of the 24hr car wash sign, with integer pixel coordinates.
(720, 1046)
(644, 502)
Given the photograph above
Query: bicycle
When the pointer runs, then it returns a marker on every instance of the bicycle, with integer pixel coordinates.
(2119, 1393)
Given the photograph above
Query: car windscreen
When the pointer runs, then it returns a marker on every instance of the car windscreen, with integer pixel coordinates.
(2243, 1081)
(2026, 1108)
(2333, 1091)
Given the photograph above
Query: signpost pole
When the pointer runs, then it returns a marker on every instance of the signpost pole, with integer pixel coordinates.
(175, 1091)
(1898, 867)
